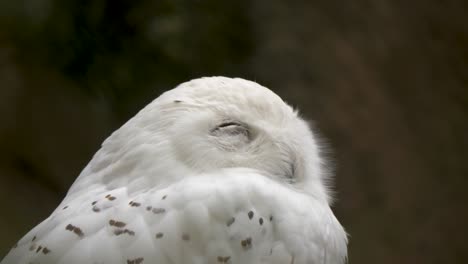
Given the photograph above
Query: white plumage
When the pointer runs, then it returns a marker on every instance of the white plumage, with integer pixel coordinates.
(217, 170)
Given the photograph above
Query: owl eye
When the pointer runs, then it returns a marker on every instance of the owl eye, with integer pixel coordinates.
(231, 128)
(228, 124)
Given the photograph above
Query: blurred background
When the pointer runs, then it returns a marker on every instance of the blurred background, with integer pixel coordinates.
(385, 83)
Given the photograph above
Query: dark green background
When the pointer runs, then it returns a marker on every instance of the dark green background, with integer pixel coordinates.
(385, 82)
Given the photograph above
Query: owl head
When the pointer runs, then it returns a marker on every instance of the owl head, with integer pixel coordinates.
(211, 124)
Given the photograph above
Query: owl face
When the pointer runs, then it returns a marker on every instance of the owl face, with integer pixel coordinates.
(218, 123)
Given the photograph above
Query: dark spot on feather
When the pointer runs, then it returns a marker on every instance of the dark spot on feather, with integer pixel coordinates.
(96, 209)
(134, 204)
(246, 243)
(110, 197)
(75, 230)
(45, 250)
(65, 207)
(223, 259)
(271, 218)
(78, 232)
(148, 208)
(164, 197)
(93, 203)
(119, 232)
(158, 210)
(116, 223)
(251, 214)
(260, 220)
(185, 237)
(34, 238)
(177, 101)
(159, 235)
(135, 261)
(38, 249)
(230, 221)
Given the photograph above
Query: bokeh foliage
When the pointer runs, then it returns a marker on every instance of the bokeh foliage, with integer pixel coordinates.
(128, 49)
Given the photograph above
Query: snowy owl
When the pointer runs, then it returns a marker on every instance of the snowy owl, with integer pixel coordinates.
(217, 170)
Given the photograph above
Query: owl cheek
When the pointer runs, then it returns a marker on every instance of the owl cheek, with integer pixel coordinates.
(192, 144)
